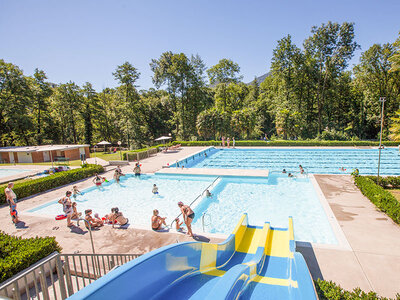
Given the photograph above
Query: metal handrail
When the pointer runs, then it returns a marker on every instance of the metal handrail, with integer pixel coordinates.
(89, 227)
(53, 276)
(199, 196)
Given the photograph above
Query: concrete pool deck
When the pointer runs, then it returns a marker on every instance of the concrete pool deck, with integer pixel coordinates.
(372, 263)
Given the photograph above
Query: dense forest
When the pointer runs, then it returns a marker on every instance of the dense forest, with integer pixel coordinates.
(310, 92)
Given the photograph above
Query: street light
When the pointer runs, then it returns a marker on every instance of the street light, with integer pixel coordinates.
(119, 145)
(381, 99)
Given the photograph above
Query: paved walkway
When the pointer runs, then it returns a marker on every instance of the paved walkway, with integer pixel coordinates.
(372, 264)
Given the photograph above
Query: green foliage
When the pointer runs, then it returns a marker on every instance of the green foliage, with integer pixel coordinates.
(395, 128)
(387, 181)
(17, 254)
(382, 199)
(129, 155)
(286, 143)
(28, 188)
(328, 290)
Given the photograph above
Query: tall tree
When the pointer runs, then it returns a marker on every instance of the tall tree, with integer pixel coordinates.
(90, 108)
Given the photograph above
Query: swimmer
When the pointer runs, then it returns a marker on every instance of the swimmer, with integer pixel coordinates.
(137, 169)
(98, 180)
(75, 191)
(301, 169)
(290, 175)
(205, 154)
(284, 171)
(208, 194)
(155, 189)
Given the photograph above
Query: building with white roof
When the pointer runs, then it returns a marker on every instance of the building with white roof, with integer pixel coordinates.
(44, 153)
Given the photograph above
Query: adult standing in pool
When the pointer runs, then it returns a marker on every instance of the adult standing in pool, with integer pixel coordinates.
(137, 169)
(11, 199)
(188, 216)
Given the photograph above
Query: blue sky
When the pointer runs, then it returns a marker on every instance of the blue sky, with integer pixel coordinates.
(85, 40)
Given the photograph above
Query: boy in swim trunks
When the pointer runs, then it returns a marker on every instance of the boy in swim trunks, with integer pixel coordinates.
(11, 199)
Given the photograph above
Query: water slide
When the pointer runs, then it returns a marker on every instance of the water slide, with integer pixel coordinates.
(252, 263)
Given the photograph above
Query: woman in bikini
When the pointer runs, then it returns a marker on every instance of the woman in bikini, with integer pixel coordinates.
(157, 221)
(67, 207)
(97, 180)
(188, 216)
(11, 199)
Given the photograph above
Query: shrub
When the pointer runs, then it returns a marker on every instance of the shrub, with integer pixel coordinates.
(387, 182)
(384, 200)
(333, 135)
(142, 153)
(328, 290)
(28, 188)
(287, 143)
(17, 254)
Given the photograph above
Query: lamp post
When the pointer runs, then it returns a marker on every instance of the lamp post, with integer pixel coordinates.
(95, 158)
(120, 154)
(381, 99)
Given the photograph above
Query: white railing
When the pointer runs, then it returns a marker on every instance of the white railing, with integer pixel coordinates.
(59, 276)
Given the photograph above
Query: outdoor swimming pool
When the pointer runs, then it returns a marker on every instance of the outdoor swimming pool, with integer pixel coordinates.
(315, 161)
(271, 199)
(11, 172)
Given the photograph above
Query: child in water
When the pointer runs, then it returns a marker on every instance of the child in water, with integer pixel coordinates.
(178, 224)
(75, 191)
(155, 189)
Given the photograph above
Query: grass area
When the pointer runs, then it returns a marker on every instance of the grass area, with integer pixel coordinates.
(395, 193)
(109, 156)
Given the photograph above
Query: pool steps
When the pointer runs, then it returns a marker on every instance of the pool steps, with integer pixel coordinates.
(251, 263)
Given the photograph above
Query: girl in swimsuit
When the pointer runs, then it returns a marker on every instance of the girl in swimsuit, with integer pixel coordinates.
(67, 207)
(188, 216)
(97, 180)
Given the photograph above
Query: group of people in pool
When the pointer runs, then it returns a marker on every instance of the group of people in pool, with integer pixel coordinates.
(301, 169)
(98, 180)
(157, 221)
(228, 141)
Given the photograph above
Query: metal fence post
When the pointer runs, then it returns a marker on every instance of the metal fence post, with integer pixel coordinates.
(43, 283)
(60, 275)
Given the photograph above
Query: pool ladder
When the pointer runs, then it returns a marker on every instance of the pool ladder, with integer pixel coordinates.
(202, 220)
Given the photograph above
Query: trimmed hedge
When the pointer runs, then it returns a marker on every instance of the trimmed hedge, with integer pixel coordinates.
(382, 199)
(28, 188)
(387, 182)
(132, 155)
(328, 290)
(288, 143)
(17, 254)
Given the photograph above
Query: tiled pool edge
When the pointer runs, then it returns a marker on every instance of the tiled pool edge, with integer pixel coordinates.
(343, 244)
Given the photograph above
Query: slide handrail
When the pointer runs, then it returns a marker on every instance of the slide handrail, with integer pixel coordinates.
(199, 196)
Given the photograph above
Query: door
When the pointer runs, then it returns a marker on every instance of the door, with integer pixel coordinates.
(46, 156)
(24, 157)
(11, 154)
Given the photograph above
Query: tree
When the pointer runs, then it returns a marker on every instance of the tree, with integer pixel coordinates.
(395, 127)
(90, 109)
(330, 48)
(395, 58)
(226, 71)
(41, 91)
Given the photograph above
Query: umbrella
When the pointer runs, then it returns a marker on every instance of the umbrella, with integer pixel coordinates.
(104, 143)
(163, 138)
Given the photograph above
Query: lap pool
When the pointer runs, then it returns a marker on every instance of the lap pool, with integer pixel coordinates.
(315, 161)
(271, 199)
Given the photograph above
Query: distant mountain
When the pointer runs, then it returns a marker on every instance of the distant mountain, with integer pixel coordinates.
(261, 78)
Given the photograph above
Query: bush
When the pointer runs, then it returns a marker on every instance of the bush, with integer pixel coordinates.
(328, 290)
(287, 143)
(387, 182)
(333, 135)
(28, 188)
(17, 254)
(382, 199)
(142, 153)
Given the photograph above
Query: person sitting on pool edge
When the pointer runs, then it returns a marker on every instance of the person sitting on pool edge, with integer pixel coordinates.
(116, 215)
(155, 189)
(157, 221)
(94, 223)
(178, 224)
(188, 216)
(75, 213)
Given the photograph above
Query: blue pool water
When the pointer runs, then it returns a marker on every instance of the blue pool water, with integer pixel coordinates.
(271, 199)
(315, 161)
(11, 172)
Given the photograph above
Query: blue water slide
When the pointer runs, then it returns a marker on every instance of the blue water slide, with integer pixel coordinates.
(253, 263)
